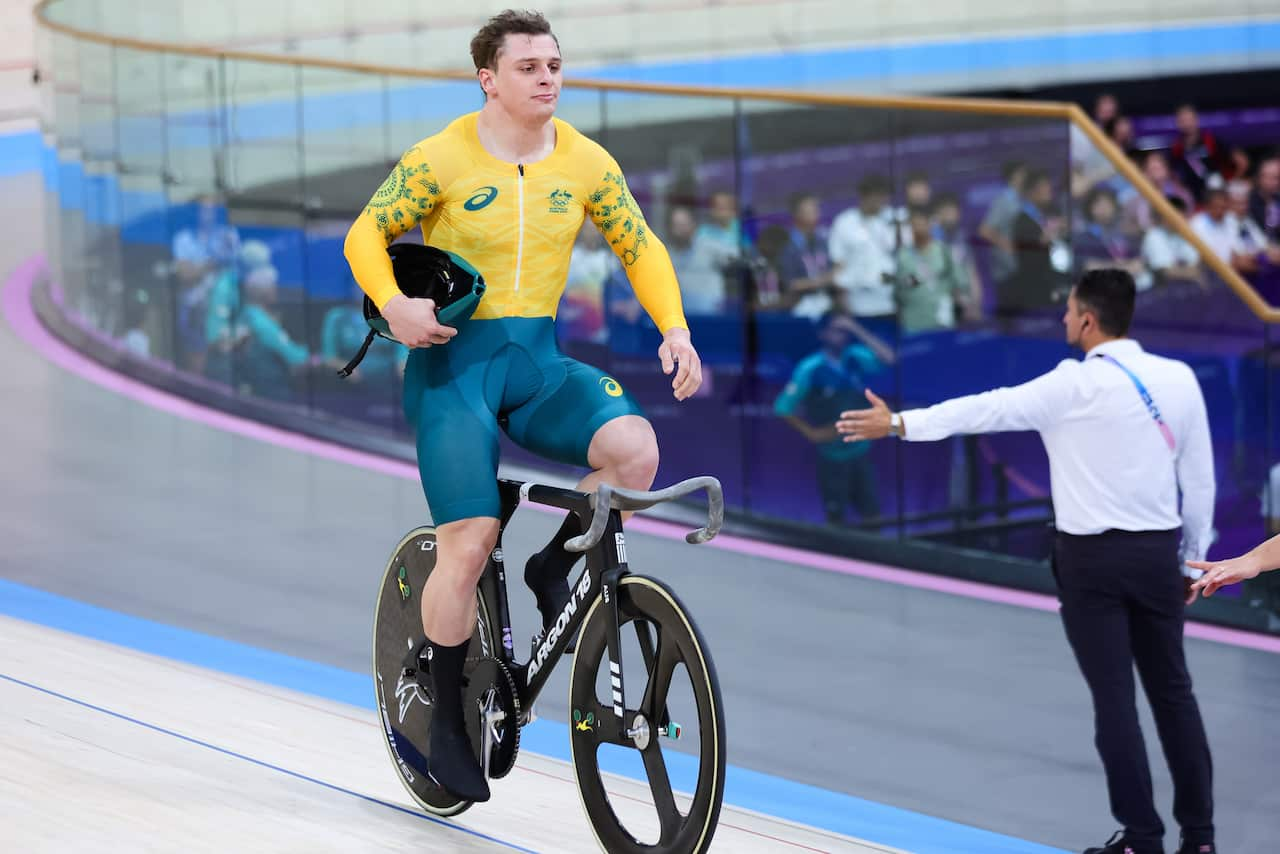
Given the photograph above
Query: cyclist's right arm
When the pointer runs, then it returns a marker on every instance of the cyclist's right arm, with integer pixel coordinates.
(408, 195)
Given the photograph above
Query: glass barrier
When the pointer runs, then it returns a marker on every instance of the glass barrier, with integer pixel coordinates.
(823, 251)
(1186, 311)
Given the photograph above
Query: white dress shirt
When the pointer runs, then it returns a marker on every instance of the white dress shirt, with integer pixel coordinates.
(863, 248)
(1162, 249)
(1109, 465)
(1223, 236)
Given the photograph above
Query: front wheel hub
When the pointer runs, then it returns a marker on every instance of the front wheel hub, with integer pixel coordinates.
(639, 732)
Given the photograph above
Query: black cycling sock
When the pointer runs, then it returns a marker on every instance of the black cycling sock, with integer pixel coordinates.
(547, 573)
(551, 566)
(446, 663)
(452, 762)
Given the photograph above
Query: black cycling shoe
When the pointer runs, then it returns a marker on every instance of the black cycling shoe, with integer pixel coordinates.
(552, 594)
(1117, 844)
(453, 765)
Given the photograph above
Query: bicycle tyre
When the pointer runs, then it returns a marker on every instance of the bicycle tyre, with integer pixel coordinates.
(648, 600)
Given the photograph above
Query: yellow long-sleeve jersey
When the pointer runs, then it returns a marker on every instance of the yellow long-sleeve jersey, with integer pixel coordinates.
(516, 224)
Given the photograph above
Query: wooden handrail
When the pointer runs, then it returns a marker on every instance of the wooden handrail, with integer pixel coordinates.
(974, 106)
(1126, 167)
(987, 106)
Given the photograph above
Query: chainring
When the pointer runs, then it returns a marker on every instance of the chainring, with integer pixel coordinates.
(490, 687)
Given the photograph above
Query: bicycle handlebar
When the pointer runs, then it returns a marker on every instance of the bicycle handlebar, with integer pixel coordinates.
(614, 497)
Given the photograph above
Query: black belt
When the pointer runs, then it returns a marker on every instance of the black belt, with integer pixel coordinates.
(1118, 534)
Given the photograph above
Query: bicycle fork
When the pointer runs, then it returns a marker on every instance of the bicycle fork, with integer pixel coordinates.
(640, 732)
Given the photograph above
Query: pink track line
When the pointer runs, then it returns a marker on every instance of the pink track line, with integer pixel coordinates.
(16, 304)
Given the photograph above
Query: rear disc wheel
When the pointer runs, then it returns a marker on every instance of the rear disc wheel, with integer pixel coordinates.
(401, 679)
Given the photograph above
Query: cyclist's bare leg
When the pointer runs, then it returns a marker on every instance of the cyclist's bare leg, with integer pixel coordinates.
(449, 599)
(448, 618)
(623, 452)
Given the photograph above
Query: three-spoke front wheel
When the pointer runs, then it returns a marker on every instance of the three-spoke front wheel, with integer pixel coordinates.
(672, 729)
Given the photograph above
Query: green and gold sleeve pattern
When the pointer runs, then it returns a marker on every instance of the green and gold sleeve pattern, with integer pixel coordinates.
(648, 265)
(616, 214)
(407, 196)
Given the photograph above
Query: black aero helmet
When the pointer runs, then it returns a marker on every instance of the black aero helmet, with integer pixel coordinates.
(425, 272)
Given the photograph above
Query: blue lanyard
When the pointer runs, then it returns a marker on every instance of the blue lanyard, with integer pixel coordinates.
(1109, 242)
(812, 259)
(1146, 399)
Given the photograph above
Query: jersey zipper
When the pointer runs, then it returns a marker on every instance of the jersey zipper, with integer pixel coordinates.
(520, 223)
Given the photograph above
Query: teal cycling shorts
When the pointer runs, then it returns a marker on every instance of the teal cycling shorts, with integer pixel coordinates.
(500, 374)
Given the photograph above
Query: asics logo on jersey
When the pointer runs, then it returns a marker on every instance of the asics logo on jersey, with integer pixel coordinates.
(611, 386)
(481, 198)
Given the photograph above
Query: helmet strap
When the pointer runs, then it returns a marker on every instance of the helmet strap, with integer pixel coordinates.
(359, 357)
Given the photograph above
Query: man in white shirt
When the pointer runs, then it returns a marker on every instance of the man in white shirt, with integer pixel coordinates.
(1168, 255)
(1251, 234)
(1229, 238)
(1124, 431)
(862, 245)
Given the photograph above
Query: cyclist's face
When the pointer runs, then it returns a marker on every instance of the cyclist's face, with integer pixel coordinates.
(527, 80)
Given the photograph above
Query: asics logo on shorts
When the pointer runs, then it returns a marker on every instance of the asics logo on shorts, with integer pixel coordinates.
(481, 198)
(611, 386)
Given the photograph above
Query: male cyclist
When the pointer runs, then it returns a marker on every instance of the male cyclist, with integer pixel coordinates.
(507, 188)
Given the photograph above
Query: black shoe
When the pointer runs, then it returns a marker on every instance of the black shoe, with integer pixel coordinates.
(1185, 847)
(454, 768)
(1117, 844)
(551, 594)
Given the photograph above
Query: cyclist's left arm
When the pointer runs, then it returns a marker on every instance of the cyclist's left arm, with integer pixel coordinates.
(648, 267)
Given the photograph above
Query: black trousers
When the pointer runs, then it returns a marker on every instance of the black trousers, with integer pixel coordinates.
(1122, 604)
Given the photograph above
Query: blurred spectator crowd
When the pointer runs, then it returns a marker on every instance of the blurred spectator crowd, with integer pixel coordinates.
(229, 322)
(901, 258)
(907, 261)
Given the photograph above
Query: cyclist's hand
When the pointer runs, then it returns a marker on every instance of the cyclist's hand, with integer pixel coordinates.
(413, 322)
(677, 354)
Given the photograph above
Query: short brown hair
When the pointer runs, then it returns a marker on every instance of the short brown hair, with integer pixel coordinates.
(487, 44)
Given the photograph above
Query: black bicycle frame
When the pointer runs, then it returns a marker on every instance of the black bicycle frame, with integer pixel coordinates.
(604, 570)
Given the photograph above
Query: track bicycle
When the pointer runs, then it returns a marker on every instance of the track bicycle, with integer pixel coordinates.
(627, 625)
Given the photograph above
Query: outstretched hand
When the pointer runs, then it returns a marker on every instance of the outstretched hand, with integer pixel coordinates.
(677, 354)
(1220, 573)
(857, 425)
